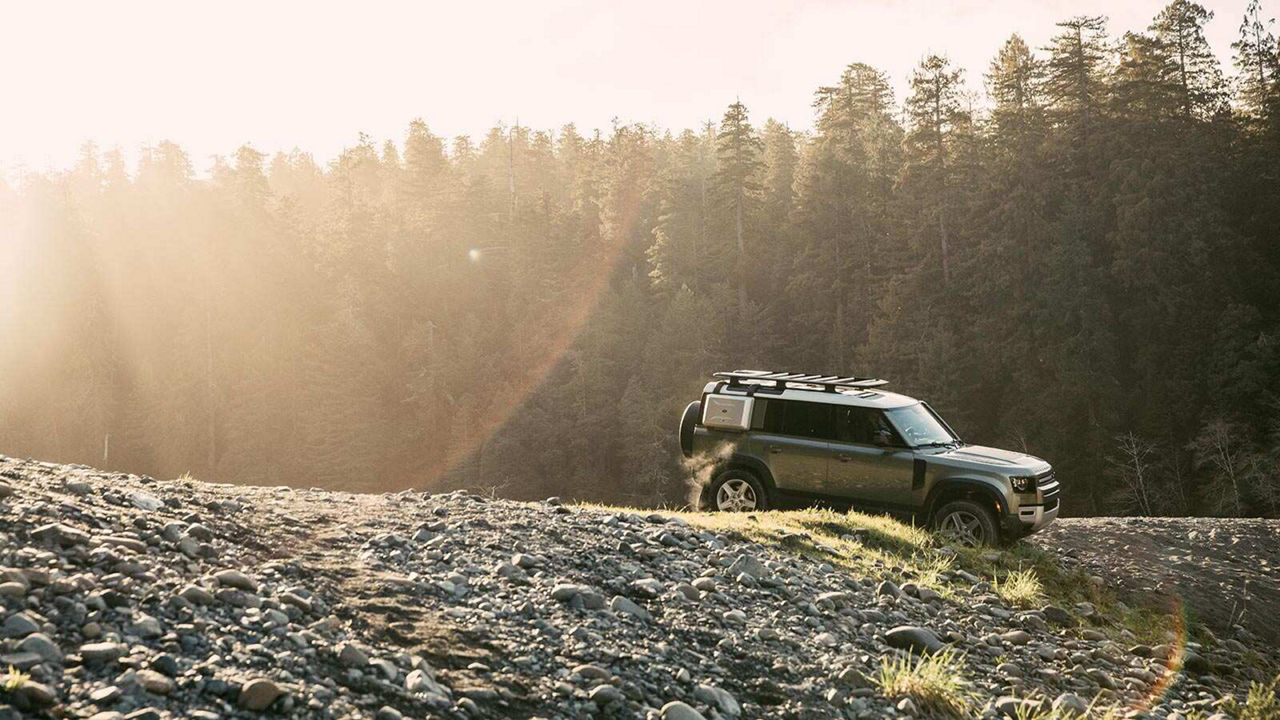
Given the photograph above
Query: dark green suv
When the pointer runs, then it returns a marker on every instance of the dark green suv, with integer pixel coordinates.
(778, 438)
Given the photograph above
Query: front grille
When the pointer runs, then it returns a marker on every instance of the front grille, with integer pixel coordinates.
(1048, 484)
(1050, 504)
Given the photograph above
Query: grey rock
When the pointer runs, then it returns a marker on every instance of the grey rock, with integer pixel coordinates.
(60, 535)
(352, 656)
(624, 606)
(676, 710)
(42, 645)
(1068, 703)
(1012, 707)
(258, 694)
(145, 501)
(720, 698)
(564, 592)
(914, 638)
(605, 694)
(19, 625)
(888, 589)
(236, 579)
(1195, 663)
(197, 595)
(103, 652)
(34, 694)
(591, 672)
(106, 695)
(1016, 637)
(1058, 616)
(750, 566)
(154, 682)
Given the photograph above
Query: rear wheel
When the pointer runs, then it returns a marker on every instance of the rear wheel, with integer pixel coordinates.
(967, 523)
(735, 491)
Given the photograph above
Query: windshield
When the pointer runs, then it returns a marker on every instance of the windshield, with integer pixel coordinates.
(920, 427)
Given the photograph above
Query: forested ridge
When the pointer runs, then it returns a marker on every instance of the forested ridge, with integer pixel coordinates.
(1083, 262)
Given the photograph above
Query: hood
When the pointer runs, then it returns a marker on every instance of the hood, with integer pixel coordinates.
(990, 458)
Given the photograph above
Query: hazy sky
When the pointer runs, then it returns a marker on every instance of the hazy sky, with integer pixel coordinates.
(212, 76)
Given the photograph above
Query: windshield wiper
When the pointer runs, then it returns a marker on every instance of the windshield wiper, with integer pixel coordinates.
(939, 443)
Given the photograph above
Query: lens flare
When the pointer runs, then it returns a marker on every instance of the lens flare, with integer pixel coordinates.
(474, 254)
(1172, 665)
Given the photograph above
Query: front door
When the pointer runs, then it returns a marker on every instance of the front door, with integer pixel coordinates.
(861, 470)
(794, 444)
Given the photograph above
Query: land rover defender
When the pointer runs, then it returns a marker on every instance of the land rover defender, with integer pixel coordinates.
(780, 439)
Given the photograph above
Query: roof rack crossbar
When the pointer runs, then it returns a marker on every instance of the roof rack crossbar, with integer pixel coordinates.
(780, 380)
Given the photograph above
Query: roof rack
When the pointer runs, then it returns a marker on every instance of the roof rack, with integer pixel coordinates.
(780, 380)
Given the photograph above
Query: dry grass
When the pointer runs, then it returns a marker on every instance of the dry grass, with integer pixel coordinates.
(1021, 588)
(14, 679)
(1262, 703)
(935, 683)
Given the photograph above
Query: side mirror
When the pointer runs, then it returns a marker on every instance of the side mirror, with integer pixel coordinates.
(883, 438)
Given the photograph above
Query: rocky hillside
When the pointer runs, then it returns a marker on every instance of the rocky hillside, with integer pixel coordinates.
(127, 597)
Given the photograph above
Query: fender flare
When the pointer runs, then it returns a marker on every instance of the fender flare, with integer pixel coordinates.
(746, 462)
(968, 486)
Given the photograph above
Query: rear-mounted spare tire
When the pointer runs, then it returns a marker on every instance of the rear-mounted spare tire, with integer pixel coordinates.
(692, 412)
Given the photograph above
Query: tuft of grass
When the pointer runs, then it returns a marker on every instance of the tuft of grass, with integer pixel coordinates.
(1262, 702)
(1021, 588)
(934, 683)
(14, 679)
(186, 477)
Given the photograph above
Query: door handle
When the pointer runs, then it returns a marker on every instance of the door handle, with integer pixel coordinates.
(775, 449)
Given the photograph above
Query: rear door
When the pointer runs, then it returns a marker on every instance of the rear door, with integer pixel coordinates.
(793, 440)
(865, 472)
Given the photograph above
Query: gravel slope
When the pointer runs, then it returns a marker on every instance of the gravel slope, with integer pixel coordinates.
(1225, 571)
(125, 597)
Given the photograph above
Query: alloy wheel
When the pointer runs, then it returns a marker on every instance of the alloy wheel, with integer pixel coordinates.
(736, 495)
(963, 527)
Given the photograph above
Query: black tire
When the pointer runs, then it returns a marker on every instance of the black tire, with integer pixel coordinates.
(740, 483)
(692, 413)
(968, 523)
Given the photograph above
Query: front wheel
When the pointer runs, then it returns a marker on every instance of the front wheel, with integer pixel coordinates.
(967, 523)
(735, 491)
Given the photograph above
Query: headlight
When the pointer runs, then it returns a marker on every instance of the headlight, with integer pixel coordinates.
(1023, 484)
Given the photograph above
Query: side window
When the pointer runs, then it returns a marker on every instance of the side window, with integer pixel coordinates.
(790, 417)
(775, 416)
(859, 424)
(808, 420)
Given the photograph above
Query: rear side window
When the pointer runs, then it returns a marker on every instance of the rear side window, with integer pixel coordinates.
(790, 417)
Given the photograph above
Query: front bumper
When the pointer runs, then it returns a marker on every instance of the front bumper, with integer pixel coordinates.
(1034, 517)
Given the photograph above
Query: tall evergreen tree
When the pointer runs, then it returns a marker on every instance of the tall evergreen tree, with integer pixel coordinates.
(737, 181)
